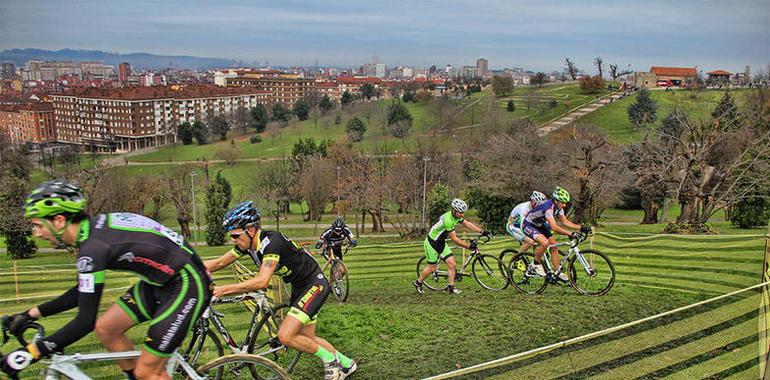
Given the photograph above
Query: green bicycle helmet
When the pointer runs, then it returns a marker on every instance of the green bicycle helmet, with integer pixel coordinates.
(53, 198)
(561, 195)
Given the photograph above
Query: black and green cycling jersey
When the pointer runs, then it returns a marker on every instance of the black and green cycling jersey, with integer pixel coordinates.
(125, 242)
(294, 265)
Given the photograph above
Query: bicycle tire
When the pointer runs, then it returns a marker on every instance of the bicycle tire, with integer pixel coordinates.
(521, 279)
(603, 273)
(439, 279)
(490, 272)
(340, 288)
(233, 365)
(286, 358)
(507, 251)
(195, 354)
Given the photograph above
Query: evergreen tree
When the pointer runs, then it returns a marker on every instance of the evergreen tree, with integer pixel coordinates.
(726, 113)
(642, 111)
(301, 109)
(259, 117)
(355, 129)
(325, 105)
(399, 119)
(511, 107)
(219, 127)
(201, 132)
(347, 98)
(185, 133)
(281, 113)
(218, 199)
(14, 186)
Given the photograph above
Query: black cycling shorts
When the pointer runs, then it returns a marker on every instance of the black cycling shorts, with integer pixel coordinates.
(172, 309)
(307, 297)
(337, 249)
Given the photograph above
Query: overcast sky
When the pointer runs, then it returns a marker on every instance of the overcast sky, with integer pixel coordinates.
(536, 35)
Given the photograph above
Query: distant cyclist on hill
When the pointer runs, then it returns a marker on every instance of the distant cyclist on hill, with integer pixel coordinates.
(273, 253)
(173, 290)
(516, 219)
(540, 221)
(436, 248)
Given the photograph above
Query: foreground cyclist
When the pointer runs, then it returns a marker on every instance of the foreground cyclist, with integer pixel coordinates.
(171, 295)
(333, 237)
(516, 219)
(275, 254)
(539, 223)
(436, 248)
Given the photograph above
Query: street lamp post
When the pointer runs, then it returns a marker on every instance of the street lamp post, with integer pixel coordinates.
(425, 160)
(337, 206)
(195, 214)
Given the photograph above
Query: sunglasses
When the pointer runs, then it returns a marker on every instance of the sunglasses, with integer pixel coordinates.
(236, 235)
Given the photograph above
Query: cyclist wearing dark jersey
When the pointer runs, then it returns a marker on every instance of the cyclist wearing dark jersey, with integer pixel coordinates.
(335, 235)
(173, 289)
(436, 248)
(539, 222)
(273, 253)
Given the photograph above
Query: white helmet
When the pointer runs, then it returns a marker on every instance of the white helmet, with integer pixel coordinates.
(459, 205)
(538, 197)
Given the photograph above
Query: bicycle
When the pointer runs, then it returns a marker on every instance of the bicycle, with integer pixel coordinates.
(589, 271)
(61, 365)
(261, 337)
(338, 273)
(487, 270)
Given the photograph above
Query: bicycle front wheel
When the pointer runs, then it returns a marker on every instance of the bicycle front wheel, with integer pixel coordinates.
(490, 272)
(339, 281)
(436, 280)
(202, 349)
(593, 277)
(507, 251)
(522, 277)
(237, 365)
(265, 341)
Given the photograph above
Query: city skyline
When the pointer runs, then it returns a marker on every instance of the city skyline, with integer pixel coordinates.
(708, 34)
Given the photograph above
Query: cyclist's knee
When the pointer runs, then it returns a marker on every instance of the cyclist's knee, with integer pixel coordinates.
(143, 371)
(286, 338)
(106, 331)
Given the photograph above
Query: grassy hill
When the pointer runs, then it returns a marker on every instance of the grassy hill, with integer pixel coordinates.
(613, 118)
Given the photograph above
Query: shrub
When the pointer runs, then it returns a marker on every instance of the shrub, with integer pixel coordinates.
(751, 212)
(255, 139)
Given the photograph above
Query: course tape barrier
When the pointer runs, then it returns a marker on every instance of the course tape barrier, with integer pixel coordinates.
(569, 342)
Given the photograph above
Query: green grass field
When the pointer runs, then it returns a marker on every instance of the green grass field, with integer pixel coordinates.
(567, 97)
(613, 118)
(395, 333)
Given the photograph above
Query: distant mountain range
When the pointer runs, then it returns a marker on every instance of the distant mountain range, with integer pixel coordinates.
(137, 60)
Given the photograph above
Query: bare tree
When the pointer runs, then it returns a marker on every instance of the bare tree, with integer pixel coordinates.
(316, 186)
(599, 63)
(615, 73)
(598, 167)
(276, 183)
(178, 180)
(571, 69)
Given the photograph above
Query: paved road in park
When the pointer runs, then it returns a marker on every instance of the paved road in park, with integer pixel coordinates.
(577, 113)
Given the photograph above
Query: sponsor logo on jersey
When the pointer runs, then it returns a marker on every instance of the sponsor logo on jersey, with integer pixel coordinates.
(308, 297)
(128, 256)
(101, 221)
(85, 264)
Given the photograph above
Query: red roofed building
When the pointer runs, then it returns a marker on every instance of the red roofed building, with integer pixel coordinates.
(329, 89)
(660, 76)
(719, 76)
(129, 118)
(30, 122)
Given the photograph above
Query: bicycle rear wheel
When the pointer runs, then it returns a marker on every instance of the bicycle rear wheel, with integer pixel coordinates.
(340, 284)
(438, 279)
(507, 251)
(265, 342)
(596, 279)
(490, 272)
(235, 366)
(522, 278)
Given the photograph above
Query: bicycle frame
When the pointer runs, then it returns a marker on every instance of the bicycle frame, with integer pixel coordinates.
(67, 365)
(573, 250)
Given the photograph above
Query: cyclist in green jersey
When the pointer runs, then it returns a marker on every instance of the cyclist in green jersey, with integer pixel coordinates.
(436, 248)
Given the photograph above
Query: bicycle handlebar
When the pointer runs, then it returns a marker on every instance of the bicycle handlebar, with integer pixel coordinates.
(6, 327)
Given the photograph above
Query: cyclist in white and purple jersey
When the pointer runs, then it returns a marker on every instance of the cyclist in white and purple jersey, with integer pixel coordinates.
(516, 218)
(541, 220)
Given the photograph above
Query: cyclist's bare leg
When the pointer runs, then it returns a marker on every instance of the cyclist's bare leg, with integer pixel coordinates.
(151, 367)
(290, 334)
(528, 243)
(309, 331)
(427, 271)
(542, 242)
(554, 253)
(111, 330)
(451, 269)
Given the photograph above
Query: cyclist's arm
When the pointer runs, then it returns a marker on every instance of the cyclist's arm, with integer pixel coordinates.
(563, 219)
(220, 262)
(64, 302)
(557, 228)
(471, 226)
(266, 270)
(453, 236)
